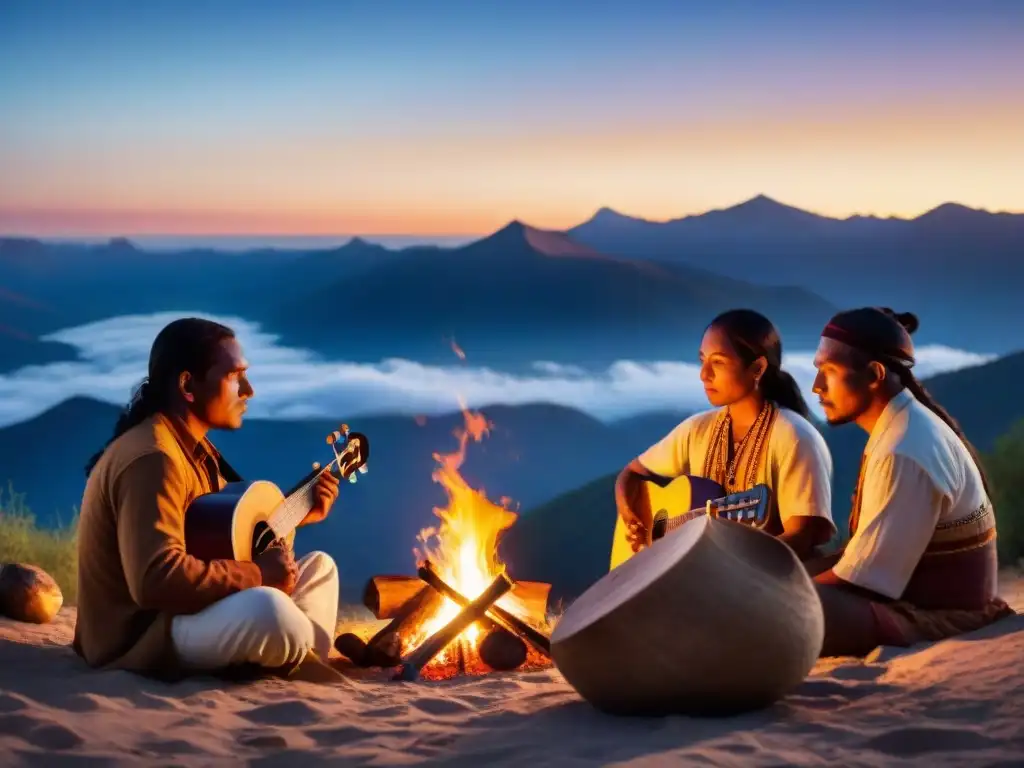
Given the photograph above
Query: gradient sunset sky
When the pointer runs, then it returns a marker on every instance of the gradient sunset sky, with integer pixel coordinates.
(454, 116)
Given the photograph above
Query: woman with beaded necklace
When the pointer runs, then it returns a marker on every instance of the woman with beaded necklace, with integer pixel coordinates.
(758, 432)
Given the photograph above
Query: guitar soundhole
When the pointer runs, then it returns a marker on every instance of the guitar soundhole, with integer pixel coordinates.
(262, 537)
(660, 525)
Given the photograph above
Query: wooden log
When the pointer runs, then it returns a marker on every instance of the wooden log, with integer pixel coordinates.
(384, 649)
(433, 645)
(28, 593)
(421, 608)
(353, 647)
(717, 618)
(386, 595)
(501, 650)
(495, 613)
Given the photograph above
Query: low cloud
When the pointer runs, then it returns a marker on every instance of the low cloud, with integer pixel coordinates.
(294, 383)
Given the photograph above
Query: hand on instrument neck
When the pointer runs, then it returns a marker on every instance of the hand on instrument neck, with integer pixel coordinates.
(326, 492)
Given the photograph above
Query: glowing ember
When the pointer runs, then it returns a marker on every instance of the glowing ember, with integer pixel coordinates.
(463, 549)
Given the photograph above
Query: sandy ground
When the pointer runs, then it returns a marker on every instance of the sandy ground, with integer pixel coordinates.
(958, 702)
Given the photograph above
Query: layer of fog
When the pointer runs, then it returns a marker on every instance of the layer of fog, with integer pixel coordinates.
(293, 383)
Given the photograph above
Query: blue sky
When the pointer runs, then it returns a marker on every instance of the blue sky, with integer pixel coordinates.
(313, 117)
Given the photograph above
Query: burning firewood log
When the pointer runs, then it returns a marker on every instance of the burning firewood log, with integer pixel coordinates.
(385, 595)
(433, 645)
(501, 650)
(28, 593)
(384, 649)
(353, 647)
(495, 613)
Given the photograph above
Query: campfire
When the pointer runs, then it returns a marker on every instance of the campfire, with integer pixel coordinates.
(462, 613)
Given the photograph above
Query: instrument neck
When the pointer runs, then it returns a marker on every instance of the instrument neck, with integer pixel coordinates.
(693, 514)
(297, 503)
(715, 511)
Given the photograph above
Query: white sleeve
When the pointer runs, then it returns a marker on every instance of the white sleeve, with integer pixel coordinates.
(900, 506)
(669, 457)
(803, 483)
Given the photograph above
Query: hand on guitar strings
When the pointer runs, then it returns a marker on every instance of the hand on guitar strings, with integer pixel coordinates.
(326, 492)
(637, 535)
(629, 503)
(277, 567)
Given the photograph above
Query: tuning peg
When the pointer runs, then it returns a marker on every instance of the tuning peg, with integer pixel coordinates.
(316, 465)
(363, 469)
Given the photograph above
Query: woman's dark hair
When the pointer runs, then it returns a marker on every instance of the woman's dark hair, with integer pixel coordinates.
(189, 344)
(753, 335)
(882, 335)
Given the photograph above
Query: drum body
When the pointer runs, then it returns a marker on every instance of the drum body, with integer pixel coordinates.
(716, 618)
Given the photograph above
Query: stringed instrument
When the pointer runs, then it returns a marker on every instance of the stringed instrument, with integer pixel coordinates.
(685, 498)
(243, 519)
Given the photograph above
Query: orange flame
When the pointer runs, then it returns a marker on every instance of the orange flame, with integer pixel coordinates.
(463, 549)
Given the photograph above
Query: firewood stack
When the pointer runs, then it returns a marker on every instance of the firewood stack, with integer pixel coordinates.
(508, 642)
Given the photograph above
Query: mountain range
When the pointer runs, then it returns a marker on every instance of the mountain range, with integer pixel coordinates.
(960, 269)
(613, 287)
(517, 296)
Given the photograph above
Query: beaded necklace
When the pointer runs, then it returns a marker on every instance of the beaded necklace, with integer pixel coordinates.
(717, 465)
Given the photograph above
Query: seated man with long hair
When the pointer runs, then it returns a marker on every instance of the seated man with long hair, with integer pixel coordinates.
(921, 560)
(758, 433)
(144, 603)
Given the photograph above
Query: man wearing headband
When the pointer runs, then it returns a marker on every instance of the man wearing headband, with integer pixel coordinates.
(921, 560)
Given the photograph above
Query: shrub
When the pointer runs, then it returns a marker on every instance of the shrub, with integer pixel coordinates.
(1005, 466)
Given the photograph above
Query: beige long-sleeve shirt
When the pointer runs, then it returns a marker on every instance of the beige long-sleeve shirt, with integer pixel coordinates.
(134, 574)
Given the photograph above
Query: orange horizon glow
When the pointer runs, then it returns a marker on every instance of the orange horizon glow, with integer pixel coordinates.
(899, 161)
(112, 224)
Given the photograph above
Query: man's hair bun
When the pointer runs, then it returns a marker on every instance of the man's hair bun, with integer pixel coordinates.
(908, 320)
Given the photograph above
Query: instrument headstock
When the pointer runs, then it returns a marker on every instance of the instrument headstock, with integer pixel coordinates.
(749, 507)
(354, 453)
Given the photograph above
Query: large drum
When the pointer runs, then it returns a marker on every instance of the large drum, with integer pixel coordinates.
(716, 618)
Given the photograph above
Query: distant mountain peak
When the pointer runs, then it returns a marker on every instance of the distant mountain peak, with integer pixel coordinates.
(543, 242)
(604, 213)
(764, 206)
(609, 217)
(359, 245)
(121, 244)
(763, 199)
(952, 212)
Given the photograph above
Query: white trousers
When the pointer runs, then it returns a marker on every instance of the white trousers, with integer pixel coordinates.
(263, 625)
